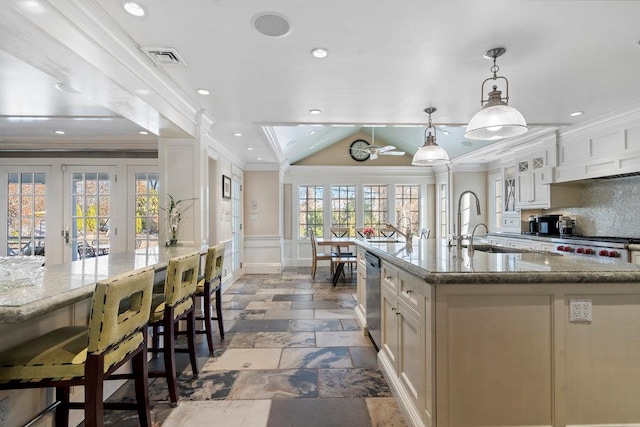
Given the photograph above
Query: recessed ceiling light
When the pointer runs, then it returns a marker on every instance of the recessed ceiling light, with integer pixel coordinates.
(237, 134)
(203, 92)
(312, 132)
(32, 6)
(134, 8)
(143, 132)
(63, 87)
(259, 158)
(446, 132)
(576, 113)
(466, 143)
(320, 52)
(59, 132)
(250, 148)
(315, 111)
(312, 147)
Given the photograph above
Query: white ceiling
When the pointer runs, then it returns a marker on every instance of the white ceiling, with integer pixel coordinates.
(387, 61)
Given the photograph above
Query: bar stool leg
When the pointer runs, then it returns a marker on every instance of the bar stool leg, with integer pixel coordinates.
(206, 318)
(93, 392)
(191, 342)
(141, 371)
(62, 411)
(219, 311)
(169, 359)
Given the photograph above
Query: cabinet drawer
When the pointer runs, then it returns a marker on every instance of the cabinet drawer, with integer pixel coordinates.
(511, 222)
(410, 291)
(389, 277)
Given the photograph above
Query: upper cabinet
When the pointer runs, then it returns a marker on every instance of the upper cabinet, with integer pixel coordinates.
(610, 146)
(532, 181)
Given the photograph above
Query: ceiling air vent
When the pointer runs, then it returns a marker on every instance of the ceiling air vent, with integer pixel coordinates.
(164, 55)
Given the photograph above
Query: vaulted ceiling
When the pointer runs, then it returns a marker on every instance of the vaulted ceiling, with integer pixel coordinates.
(387, 61)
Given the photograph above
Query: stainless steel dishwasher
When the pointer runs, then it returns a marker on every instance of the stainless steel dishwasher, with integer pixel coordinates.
(373, 298)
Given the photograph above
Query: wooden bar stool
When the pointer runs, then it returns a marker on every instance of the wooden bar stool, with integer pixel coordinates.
(209, 283)
(168, 308)
(87, 356)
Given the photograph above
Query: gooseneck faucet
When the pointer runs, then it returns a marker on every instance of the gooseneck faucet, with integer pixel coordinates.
(473, 233)
(459, 237)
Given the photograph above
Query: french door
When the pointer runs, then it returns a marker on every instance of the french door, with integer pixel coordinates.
(89, 196)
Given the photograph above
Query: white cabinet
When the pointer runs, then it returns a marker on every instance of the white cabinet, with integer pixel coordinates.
(361, 270)
(510, 218)
(497, 241)
(402, 349)
(522, 244)
(533, 177)
(635, 257)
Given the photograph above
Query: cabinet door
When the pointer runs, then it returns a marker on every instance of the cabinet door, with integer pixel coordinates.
(410, 366)
(389, 326)
(524, 185)
(635, 257)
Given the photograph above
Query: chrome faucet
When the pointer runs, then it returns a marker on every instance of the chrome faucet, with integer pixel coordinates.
(473, 234)
(408, 235)
(459, 237)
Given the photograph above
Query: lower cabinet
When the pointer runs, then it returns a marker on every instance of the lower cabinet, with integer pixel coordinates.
(635, 257)
(361, 288)
(403, 353)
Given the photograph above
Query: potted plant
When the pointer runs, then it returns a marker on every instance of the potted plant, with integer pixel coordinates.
(368, 231)
(174, 215)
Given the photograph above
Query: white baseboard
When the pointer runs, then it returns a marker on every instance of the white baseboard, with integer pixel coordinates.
(262, 268)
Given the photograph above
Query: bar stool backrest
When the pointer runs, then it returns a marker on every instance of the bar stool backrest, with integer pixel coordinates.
(218, 261)
(107, 324)
(182, 278)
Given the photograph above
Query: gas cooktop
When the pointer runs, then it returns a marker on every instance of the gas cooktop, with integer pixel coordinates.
(605, 239)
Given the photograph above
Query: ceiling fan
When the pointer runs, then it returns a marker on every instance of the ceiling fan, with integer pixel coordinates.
(363, 151)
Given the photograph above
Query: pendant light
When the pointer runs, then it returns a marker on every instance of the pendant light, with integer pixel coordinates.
(496, 120)
(430, 153)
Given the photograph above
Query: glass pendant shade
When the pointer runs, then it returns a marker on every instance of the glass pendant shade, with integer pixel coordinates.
(496, 122)
(430, 153)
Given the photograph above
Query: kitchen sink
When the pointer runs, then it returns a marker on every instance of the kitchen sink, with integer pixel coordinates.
(500, 249)
(505, 250)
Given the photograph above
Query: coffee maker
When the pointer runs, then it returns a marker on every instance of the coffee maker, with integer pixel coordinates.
(566, 225)
(533, 224)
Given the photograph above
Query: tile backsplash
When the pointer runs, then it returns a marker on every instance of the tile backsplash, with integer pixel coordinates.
(610, 207)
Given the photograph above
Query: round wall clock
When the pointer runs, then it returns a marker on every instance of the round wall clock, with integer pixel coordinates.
(359, 150)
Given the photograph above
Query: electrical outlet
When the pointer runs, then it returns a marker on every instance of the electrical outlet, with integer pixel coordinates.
(580, 310)
(4, 411)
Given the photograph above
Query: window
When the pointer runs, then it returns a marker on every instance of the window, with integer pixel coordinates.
(91, 201)
(26, 209)
(343, 206)
(147, 218)
(376, 205)
(408, 206)
(443, 210)
(310, 204)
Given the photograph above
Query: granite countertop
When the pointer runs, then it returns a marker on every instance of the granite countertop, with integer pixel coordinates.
(67, 283)
(439, 264)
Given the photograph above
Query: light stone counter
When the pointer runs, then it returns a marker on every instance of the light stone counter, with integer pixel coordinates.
(438, 264)
(67, 283)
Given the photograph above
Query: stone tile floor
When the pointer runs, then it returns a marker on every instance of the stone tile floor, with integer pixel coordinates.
(293, 355)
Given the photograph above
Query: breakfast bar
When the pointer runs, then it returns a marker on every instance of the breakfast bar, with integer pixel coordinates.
(65, 284)
(504, 336)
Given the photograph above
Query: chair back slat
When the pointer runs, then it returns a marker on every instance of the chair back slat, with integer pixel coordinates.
(182, 278)
(108, 325)
(339, 231)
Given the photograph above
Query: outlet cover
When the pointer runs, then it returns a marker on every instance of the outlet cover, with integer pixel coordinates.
(580, 310)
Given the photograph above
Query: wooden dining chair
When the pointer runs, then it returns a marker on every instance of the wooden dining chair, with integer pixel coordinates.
(168, 308)
(387, 232)
(89, 355)
(318, 256)
(360, 233)
(339, 231)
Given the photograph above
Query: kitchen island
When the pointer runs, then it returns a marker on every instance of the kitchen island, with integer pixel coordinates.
(516, 339)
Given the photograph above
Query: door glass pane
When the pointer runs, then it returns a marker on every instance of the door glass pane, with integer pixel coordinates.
(236, 225)
(147, 218)
(26, 210)
(91, 198)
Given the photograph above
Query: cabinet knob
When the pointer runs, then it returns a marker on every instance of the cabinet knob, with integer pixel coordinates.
(389, 277)
(409, 292)
(393, 309)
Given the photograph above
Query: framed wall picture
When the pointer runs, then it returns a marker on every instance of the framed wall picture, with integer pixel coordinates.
(226, 187)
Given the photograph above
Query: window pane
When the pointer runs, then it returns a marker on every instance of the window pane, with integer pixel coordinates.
(310, 203)
(343, 207)
(375, 209)
(147, 210)
(25, 214)
(408, 207)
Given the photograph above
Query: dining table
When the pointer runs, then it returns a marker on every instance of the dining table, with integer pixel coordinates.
(341, 257)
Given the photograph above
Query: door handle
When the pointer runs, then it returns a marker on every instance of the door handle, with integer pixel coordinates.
(65, 234)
